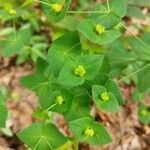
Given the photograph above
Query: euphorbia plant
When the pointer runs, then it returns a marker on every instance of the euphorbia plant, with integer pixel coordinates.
(69, 80)
(69, 90)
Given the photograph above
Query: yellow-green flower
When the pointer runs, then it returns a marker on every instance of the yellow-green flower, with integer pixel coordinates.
(89, 132)
(12, 12)
(57, 7)
(99, 29)
(80, 71)
(105, 96)
(59, 100)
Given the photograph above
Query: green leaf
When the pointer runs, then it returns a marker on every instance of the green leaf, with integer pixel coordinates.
(106, 18)
(123, 56)
(27, 2)
(64, 105)
(64, 48)
(112, 16)
(113, 87)
(143, 78)
(67, 75)
(140, 3)
(110, 104)
(100, 137)
(141, 47)
(80, 107)
(54, 16)
(87, 28)
(136, 12)
(90, 61)
(36, 82)
(42, 136)
(118, 7)
(16, 41)
(41, 80)
(69, 23)
(12, 46)
(40, 114)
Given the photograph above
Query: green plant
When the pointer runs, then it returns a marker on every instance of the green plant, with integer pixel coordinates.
(71, 78)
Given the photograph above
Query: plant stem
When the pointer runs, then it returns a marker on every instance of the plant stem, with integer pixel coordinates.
(135, 36)
(44, 3)
(134, 73)
(76, 145)
(108, 6)
(86, 12)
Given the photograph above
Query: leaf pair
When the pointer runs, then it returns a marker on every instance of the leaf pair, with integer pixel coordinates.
(110, 85)
(104, 99)
(87, 28)
(86, 63)
(42, 136)
(99, 134)
(63, 49)
(58, 100)
(107, 16)
(47, 136)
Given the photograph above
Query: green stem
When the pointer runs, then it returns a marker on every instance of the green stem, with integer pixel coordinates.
(108, 6)
(51, 107)
(135, 36)
(76, 146)
(44, 3)
(134, 73)
(86, 12)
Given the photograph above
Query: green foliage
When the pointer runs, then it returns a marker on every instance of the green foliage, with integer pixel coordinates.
(43, 137)
(62, 49)
(143, 79)
(87, 28)
(67, 75)
(101, 135)
(104, 99)
(75, 72)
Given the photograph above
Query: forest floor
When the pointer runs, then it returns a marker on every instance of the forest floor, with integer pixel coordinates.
(127, 132)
